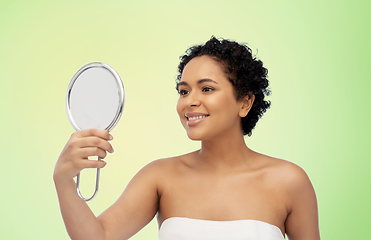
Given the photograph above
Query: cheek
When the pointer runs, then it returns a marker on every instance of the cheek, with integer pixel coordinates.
(228, 106)
(179, 107)
(181, 111)
(222, 102)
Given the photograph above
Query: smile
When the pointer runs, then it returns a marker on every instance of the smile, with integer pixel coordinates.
(195, 118)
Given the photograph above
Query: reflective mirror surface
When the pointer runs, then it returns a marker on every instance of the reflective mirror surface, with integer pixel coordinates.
(95, 97)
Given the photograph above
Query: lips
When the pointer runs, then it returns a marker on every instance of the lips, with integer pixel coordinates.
(195, 118)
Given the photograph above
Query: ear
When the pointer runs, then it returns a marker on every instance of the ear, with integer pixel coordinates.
(246, 104)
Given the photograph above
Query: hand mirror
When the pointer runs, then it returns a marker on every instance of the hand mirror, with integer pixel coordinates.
(95, 99)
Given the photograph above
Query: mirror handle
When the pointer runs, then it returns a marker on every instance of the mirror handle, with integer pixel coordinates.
(96, 185)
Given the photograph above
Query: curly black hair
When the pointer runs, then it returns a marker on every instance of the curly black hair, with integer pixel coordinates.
(244, 71)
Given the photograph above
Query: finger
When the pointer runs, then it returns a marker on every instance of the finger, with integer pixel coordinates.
(104, 134)
(84, 153)
(93, 164)
(95, 142)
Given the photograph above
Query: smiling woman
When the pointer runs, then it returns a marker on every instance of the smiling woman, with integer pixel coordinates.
(207, 105)
(246, 73)
(224, 190)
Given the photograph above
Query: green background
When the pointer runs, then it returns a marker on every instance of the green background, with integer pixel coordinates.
(317, 53)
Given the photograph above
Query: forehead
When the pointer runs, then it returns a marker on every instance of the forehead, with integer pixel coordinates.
(202, 67)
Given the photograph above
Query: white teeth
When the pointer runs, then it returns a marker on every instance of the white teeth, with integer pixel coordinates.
(194, 118)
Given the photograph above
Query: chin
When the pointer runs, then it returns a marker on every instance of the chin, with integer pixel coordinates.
(196, 136)
(193, 138)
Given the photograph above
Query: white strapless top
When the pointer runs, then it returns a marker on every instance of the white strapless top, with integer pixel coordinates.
(181, 228)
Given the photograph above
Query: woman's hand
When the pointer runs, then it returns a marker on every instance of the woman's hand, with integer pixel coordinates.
(81, 145)
(132, 211)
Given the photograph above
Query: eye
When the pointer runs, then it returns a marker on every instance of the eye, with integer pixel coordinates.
(207, 89)
(183, 92)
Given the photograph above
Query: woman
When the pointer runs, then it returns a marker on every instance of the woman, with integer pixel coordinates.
(222, 191)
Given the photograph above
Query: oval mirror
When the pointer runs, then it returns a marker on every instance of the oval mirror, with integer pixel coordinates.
(95, 99)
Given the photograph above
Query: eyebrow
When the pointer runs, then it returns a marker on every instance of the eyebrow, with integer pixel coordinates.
(198, 82)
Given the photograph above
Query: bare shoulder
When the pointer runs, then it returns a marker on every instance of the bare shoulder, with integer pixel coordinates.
(166, 167)
(286, 173)
(301, 202)
(299, 193)
(295, 178)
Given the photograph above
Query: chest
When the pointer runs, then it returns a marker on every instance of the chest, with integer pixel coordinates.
(231, 197)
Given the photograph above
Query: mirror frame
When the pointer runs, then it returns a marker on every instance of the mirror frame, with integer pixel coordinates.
(115, 120)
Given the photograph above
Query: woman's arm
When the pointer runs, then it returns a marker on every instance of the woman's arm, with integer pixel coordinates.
(80, 222)
(134, 209)
(302, 220)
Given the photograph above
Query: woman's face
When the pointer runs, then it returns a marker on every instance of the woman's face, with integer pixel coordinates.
(207, 106)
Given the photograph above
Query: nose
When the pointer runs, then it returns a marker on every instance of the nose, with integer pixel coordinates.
(192, 100)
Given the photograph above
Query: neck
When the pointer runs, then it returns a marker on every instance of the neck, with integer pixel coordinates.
(225, 153)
